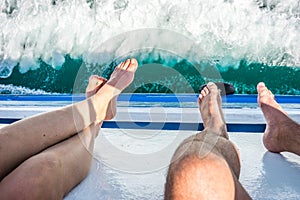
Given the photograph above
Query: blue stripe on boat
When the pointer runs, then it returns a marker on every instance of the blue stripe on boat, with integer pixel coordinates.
(148, 98)
(252, 128)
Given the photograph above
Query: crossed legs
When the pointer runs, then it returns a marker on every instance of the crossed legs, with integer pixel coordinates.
(43, 157)
(52, 173)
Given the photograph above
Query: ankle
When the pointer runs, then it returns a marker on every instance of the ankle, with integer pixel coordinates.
(100, 104)
(217, 126)
(275, 138)
(291, 138)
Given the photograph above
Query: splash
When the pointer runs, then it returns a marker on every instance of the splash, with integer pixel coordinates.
(19, 90)
(262, 31)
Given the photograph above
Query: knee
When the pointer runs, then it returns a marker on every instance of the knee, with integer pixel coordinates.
(43, 168)
(194, 178)
(33, 179)
(44, 164)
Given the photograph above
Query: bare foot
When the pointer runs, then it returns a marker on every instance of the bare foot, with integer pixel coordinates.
(95, 84)
(123, 74)
(211, 110)
(121, 78)
(278, 122)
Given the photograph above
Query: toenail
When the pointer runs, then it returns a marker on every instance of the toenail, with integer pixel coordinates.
(133, 61)
(210, 83)
(103, 79)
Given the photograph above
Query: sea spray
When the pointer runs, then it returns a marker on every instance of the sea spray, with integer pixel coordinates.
(41, 40)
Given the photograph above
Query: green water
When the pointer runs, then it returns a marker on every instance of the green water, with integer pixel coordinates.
(155, 76)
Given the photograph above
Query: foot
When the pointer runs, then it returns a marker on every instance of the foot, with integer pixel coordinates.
(211, 109)
(121, 78)
(95, 84)
(277, 120)
(123, 74)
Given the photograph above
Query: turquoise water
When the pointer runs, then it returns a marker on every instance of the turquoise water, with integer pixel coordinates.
(54, 46)
(281, 80)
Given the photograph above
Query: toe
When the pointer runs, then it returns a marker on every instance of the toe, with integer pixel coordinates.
(95, 78)
(206, 90)
(95, 83)
(121, 65)
(263, 92)
(133, 61)
(260, 86)
(203, 93)
(212, 87)
(262, 89)
(133, 65)
(126, 64)
(200, 97)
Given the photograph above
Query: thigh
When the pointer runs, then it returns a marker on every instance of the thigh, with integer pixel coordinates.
(52, 173)
(33, 179)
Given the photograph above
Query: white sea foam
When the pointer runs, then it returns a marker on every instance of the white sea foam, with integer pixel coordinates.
(19, 90)
(266, 31)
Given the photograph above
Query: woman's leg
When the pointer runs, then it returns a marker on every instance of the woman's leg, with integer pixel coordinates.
(25, 138)
(32, 178)
(54, 172)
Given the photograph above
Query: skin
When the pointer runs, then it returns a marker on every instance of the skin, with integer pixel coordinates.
(282, 133)
(206, 165)
(39, 156)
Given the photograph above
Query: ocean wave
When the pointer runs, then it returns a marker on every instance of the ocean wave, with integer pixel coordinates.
(20, 90)
(173, 76)
(261, 31)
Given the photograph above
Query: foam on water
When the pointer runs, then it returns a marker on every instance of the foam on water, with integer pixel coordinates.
(19, 90)
(263, 31)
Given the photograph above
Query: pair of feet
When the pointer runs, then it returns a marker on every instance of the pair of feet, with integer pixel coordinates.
(276, 136)
(109, 90)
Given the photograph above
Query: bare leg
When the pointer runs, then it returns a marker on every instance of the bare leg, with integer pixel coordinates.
(207, 165)
(25, 138)
(95, 83)
(45, 170)
(54, 172)
(282, 133)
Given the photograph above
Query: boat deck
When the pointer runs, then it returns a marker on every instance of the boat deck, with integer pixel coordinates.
(132, 151)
